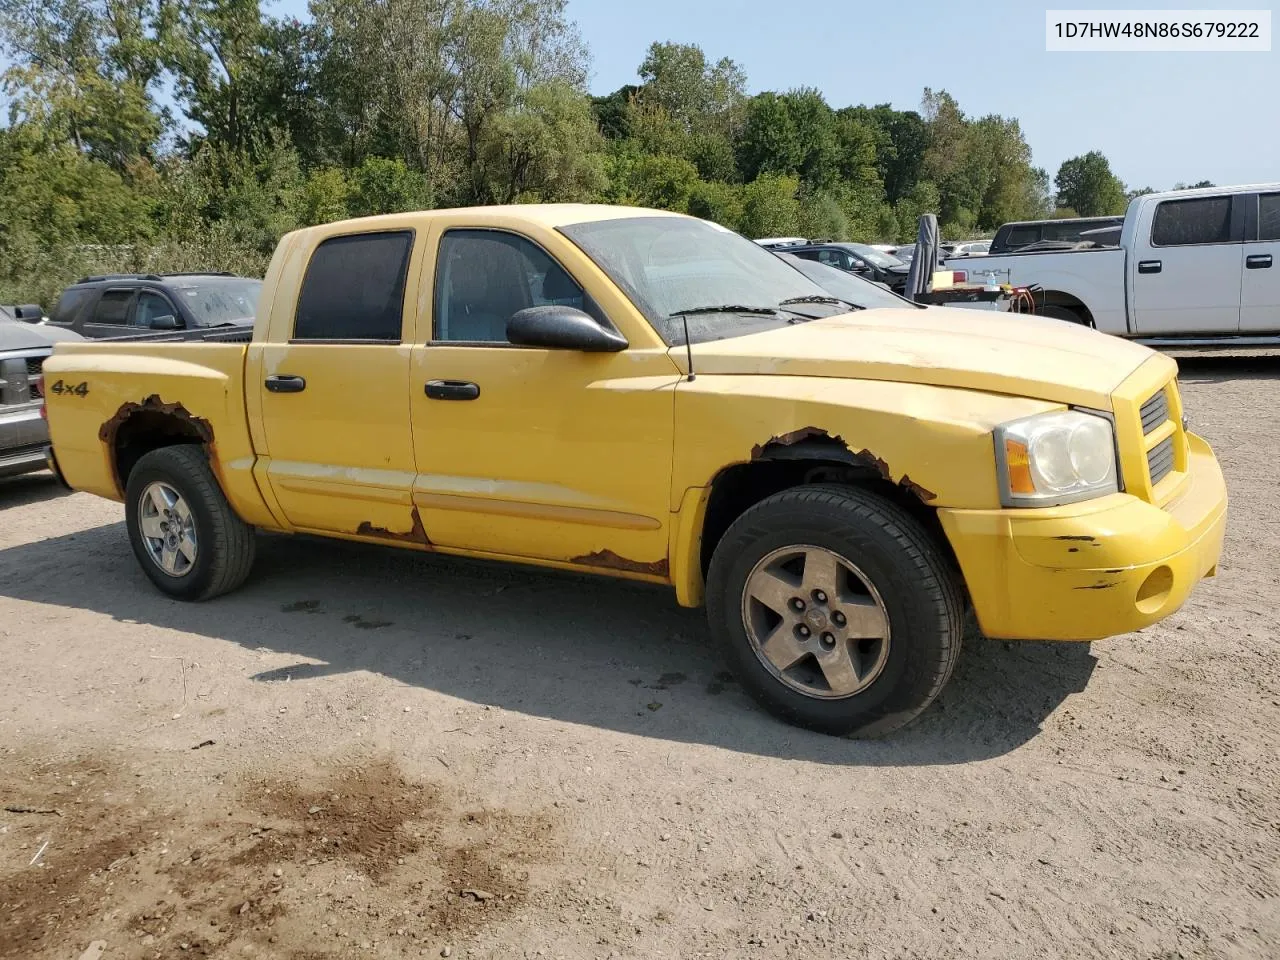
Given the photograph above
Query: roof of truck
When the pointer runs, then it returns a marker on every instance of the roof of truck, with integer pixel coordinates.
(549, 215)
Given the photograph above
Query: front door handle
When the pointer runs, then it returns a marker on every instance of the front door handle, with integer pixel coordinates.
(285, 383)
(1258, 261)
(1149, 266)
(452, 390)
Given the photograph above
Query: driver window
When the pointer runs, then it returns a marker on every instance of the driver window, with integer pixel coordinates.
(485, 276)
(150, 306)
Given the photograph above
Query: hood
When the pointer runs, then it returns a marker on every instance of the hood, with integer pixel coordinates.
(17, 335)
(1024, 356)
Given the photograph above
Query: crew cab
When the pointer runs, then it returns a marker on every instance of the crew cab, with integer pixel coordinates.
(646, 395)
(1191, 267)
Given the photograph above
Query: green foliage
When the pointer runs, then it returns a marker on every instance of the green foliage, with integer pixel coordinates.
(1086, 184)
(371, 108)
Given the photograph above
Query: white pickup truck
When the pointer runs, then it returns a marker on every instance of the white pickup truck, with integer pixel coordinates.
(1192, 268)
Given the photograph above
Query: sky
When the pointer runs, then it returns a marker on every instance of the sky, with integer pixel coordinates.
(1160, 118)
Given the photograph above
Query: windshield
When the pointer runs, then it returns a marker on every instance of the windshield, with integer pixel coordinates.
(846, 286)
(218, 300)
(671, 264)
(872, 255)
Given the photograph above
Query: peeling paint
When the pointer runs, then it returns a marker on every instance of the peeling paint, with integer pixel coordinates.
(1081, 539)
(608, 560)
(794, 437)
(1101, 585)
(912, 487)
(416, 534)
(869, 458)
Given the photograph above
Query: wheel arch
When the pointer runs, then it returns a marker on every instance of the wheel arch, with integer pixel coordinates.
(138, 428)
(1068, 301)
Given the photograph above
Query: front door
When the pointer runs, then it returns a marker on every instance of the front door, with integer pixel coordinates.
(334, 392)
(1260, 286)
(1185, 276)
(528, 452)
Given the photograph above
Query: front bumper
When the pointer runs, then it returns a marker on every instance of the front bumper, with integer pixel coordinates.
(1095, 569)
(24, 435)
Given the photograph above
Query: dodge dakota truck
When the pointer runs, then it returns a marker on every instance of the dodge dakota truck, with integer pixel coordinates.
(1190, 268)
(647, 395)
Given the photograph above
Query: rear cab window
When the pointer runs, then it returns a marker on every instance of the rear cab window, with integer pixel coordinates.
(353, 289)
(1192, 222)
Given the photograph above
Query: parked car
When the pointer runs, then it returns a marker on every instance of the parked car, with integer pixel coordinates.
(859, 258)
(849, 287)
(1191, 266)
(1013, 236)
(115, 305)
(24, 433)
(971, 248)
(647, 395)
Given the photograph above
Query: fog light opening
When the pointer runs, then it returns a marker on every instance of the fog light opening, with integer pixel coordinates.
(1155, 590)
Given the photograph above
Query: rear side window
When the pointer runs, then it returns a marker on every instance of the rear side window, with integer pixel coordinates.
(354, 288)
(1181, 223)
(113, 307)
(1269, 216)
(69, 304)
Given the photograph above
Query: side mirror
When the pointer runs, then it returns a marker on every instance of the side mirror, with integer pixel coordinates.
(166, 322)
(561, 327)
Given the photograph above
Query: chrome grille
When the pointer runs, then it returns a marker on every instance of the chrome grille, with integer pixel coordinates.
(1160, 460)
(1155, 412)
(34, 365)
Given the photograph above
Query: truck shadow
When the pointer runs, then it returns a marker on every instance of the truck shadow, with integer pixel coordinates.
(574, 648)
(1218, 368)
(28, 488)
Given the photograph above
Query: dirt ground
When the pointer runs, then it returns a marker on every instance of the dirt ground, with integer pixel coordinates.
(371, 753)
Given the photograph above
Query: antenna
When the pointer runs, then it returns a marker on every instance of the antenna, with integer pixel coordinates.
(688, 347)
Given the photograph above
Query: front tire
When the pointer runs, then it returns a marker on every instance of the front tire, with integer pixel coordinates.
(835, 610)
(185, 535)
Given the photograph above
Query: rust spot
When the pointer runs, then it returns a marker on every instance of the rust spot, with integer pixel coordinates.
(795, 436)
(416, 534)
(1099, 586)
(1081, 539)
(153, 405)
(912, 487)
(608, 560)
(1073, 549)
(871, 460)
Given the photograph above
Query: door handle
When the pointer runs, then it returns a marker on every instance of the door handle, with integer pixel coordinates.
(1149, 266)
(452, 390)
(285, 383)
(1258, 261)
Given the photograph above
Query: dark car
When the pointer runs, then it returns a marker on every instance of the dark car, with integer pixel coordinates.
(1015, 236)
(856, 258)
(849, 287)
(122, 304)
(24, 433)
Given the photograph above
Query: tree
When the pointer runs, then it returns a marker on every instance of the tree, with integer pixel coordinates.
(770, 142)
(1087, 185)
(770, 208)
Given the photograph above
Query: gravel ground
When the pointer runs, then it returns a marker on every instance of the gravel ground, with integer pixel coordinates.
(372, 753)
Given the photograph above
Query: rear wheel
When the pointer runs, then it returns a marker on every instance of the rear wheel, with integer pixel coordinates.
(185, 535)
(1056, 312)
(835, 610)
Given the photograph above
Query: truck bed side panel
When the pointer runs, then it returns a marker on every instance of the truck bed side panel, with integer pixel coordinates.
(200, 383)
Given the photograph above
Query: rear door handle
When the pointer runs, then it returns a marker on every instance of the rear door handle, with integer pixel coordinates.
(1149, 266)
(285, 383)
(1258, 261)
(452, 390)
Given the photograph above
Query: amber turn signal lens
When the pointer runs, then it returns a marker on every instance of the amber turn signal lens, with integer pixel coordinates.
(1015, 455)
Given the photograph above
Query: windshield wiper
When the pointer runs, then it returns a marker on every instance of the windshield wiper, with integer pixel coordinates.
(816, 298)
(726, 308)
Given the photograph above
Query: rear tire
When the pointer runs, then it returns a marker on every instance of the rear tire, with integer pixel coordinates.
(1055, 312)
(185, 535)
(890, 579)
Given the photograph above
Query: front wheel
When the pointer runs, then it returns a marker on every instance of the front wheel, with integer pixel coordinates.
(835, 609)
(184, 533)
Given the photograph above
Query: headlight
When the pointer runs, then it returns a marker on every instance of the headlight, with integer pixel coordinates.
(1056, 458)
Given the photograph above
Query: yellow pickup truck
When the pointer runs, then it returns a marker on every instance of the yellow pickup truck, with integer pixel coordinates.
(650, 396)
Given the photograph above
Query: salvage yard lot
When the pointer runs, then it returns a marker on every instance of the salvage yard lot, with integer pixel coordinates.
(417, 756)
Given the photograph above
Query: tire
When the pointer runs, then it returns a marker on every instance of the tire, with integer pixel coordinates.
(223, 544)
(1055, 312)
(890, 558)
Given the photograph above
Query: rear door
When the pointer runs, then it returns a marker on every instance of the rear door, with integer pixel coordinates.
(1260, 283)
(109, 317)
(1185, 268)
(333, 385)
